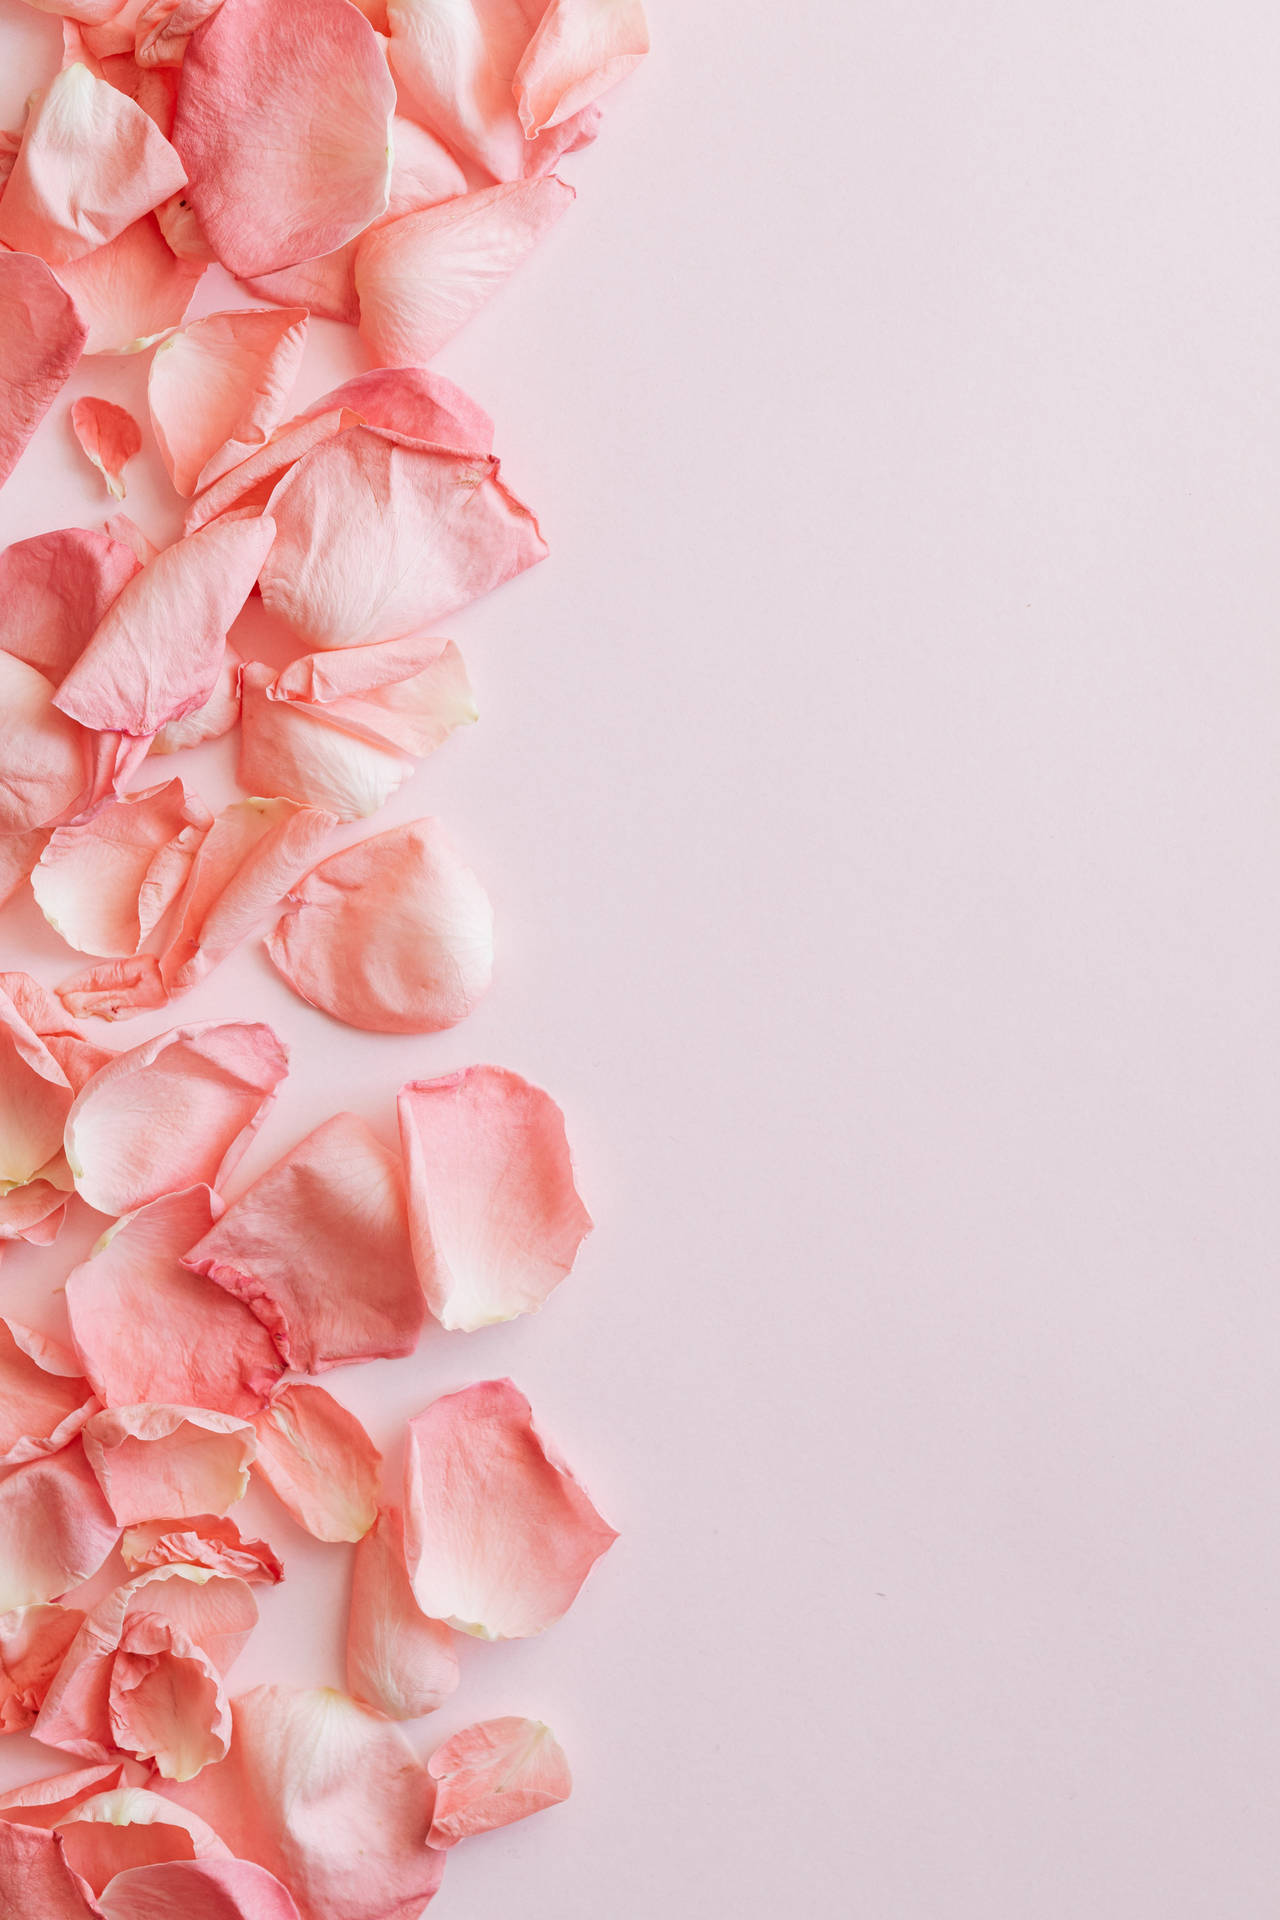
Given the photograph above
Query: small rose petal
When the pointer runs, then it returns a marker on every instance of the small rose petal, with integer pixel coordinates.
(128, 1827)
(143, 1325)
(203, 1540)
(493, 1773)
(44, 764)
(55, 589)
(393, 935)
(109, 436)
(41, 337)
(44, 1399)
(131, 292)
(33, 1641)
(272, 180)
(325, 287)
(44, 1887)
(253, 481)
(218, 388)
(159, 650)
(198, 1890)
(55, 1528)
(319, 1462)
(580, 50)
(421, 278)
(499, 1535)
(397, 1660)
(182, 1461)
(415, 402)
(106, 883)
(216, 717)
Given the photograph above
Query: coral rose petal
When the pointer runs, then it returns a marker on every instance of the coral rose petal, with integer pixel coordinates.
(107, 882)
(44, 1400)
(44, 765)
(203, 1540)
(198, 1890)
(493, 1773)
(319, 1462)
(55, 589)
(55, 1528)
(41, 337)
(128, 1827)
(216, 717)
(38, 1884)
(580, 50)
(417, 403)
(109, 436)
(133, 291)
(33, 1642)
(218, 388)
(397, 1660)
(181, 1461)
(498, 1533)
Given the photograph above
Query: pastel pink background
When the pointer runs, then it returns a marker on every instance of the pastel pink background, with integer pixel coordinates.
(878, 792)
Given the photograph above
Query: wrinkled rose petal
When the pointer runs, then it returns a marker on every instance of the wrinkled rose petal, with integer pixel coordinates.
(41, 337)
(378, 539)
(144, 1325)
(131, 292)
(318, 1461)
(106, 883)
(55, 1528)
(499, 1535)
(33, 1641)
(182, 1461)
(495, 1216)
(55, 589)
(43, 754)
(164, 28)
(202, 1540)
(218, 388)
(39, 1884)
(44, 1399)
(393, 935)
(158, 652)
(198, 1890)
(109, 436)
(252, 482)
(271, 180)
(129, 1827)
(211, 721)
(415, 402)
(581, 48)
(421, 278)
(397, 1660)
(493, 1773)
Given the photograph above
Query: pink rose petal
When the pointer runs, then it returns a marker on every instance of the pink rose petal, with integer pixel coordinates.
(318, 1461)
(35, 1088)
(127, 1828)
(106, 39)
(252, 482)
(33, 1642)
(220, 712)
(18, 855)
(495, 1216)
(41, 337)
(55, 1528)
(164, 28)
(393, 935)
(44, 1399)
(398, 1661)
(106, 883)
(33, 1212)
(499, 1535)
(132, 292)
(46, 1803)
(581, 48)
(202, 1540)
(325, 287)
(55, 589)
(44, 755)
(217, 390)
(45, 1888)
(415, 402)
(129, 534)
(182, 1461)
(198, 1890)
(109, 437)
(493, 1773)
(91, 12)
(78, 1058)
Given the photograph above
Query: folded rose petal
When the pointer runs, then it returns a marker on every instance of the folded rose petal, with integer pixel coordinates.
(218, 388)
(78, 1058)
(319, 1462)
(131, 292)
(325, 287)
(493, 1773)
(55, 1528)
(318, 1247)
(38, 1883)
(176, 1112)
(91, 163)
(44, 761)
(33, 1641)
(144, 1325)
(33, 1213)
(41, 337)
(397, 1660)
(421, 278)
(182, 1461)
(415, 402)
(330, 1797)
(107, 882)
(198, 1890)
(378, 538)
(46, 1803)
(129, 1827)
(158, 652)
(580, 50)
(55, 589)
(216, 717)
(495, 1216)
(44, 1399)
(35, 1094)
(499, 1535)
(164, 28)
(393, 935)
(203, 1540)
(252, 483)
(109, 437)
(273, 181)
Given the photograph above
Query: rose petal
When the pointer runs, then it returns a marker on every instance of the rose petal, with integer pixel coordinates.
(164, 28)
(91, 12)
(499, 1535)
(198, 1890)
(107, 38)
(251, 483)
(218, 388)
(18, 855)
(33, 1641)
(46, 1803)
(44, 767)
(271, 180)
(44, 1887)
(394, 934)
(421, 278)
(415, 402)
(44, 1401)
(216, 717)
(129, 1827)
(78, 1058)
(580, 50)
(55, 1528)
(325, 287)
(55, 589)
(203, 1540)
(182, 1461)
(131, 292)
(397, 1660)
(106, 883)
(109, 436)
(129, 534)
(41, 338)
(318, 1461)
(33, 1213)
(493, 1773)
(378, 538)
(34, 1092)
(158, 652)
(176, 1112)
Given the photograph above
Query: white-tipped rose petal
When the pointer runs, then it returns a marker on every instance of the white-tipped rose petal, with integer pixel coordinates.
(198, 1890)
(41, 338)
(44, 1399)
(56, 1528)
(218, 388)
(44, 764)
(55, 589)
(211, 721)
(106, 883)
(109, 437)
(131, 292)
(204, 1540)
(33, 1643)
(493, 1773)
(319, 1462)
(397, 1660)
(128, 1827)
(393, 935)
(415, 402)
(495, 1216)
(180, 1461)
(499, 1535)
(580, 50)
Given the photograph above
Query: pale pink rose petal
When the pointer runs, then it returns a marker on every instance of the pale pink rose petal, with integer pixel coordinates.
(128, 534)
(198, 1890)
(499, 1535)
(318, 1461)
(109, 437)
(393, 935)
(55, 589)
(181, 1461)
(318, 1247)
(35, 1095)
(216, 717)
(55, 1528)
(493, 1773)
(580, 50)
(421, 278)
(397, 1660)
(33, 1212)
(142, 1324)
(42, 335)
(329, 1797)
(44, 1399)
(33, 1641)
(46, 1803)
(271, 180)
(415, 402)
(455, 65)
(115, 758)
(44, 755)
(158, 652)
(106, 883)
(251, 483)
(38, 1882)
(202, 1540)
(378, 538)
(218, 388)
(18, 855)
(495, 1216)
(164, 28)
(132, 292)
(78, 1058)
(297, 749)
(129, 1827)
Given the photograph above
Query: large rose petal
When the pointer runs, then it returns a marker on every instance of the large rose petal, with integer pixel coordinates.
(44, 1399)
(131, 292)
(41, 338)
(581, 49)
(198, 1890)
(38, 1883)
(204, 1540)
(33, 1642)
(107, 882)
(129, 1827)
(109, 437)
(218, 388)
(498, 1532)
(44, 767)
(397, 1660)
(493, 1773)
(55, 589)
(319, 1462)
(415, 402)
(181, 1461)
(55, 1528)
(495, 1216)
(393, 935)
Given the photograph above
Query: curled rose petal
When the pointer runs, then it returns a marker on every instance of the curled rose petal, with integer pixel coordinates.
(499, 1535)
(33, 1641)
(421, 278)
(55, 589)
(318, 1461)
(273, 182)
(252, 482)
(397, 1660)
(107, 882)
(144, 1325)
(45, 1888)
(41, 337)
(55, 1528)
(46, 1803)
(495, 1216)
(44, 1399)
(580, 50)
(198, 1890)
(203, 1540)
(393, 935)
(182, 1461)
(44, 765)
(211, 721)
(131, 292)
(129, 1827)
(109, 436)
(218, 388)
(415, 402)
(493, 1773)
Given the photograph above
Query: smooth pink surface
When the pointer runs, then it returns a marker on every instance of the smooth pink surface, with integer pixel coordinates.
(877, 791)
